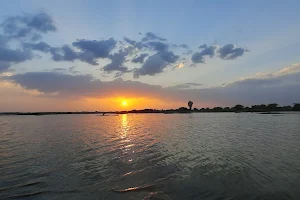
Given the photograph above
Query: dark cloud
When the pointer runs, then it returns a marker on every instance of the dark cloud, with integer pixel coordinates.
(151, 36)
(229, 52)
(50, 82)
(28, 25)
(80, 85)
(90, 50)
(100, 49)
(185, 86)
(26, 29)
(138, 45)
(198, 57)
(194, 84)
(3, 41)
(66, 53)
(156, 63)
(73, 71)
(185, 46)
(14, 56)
(59, 70)
(204, 46)
(41, 22)
(129, 41)
(140, 58)
(158, 46)
(69, 54)
(117, 61)
(4, 66)
(41, 46)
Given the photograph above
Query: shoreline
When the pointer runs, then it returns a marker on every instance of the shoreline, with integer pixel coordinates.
(138, 112)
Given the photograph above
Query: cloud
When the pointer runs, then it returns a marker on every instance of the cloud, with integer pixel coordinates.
(117, 61)
(151, 51)
(140, 58)
(158, 46)
(152, 36)
(227, 52)
(129, 41)
(59, 70)
(198, 57)
(230, 51)
(252, 82)
(156, 63)
(185, 86)
(66, 85)
(185, 46)
(73, 71)
(100, 49)
(14, 56)
(3, 41)
(4, 66)
(66, 53)
(254, 91)
(90, 50)
(194, 84)
(138, 45)
(178, 66)
(26, 25)
(288, 70)
(204, 46)
(41, 46)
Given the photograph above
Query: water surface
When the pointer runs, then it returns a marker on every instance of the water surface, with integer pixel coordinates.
(150, 156)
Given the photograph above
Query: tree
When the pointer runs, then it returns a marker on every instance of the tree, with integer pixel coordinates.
(238, 107)
(296, 107)
(272, 107)
(190, 104)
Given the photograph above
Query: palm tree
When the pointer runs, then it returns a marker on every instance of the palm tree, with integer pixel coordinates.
(190, 104)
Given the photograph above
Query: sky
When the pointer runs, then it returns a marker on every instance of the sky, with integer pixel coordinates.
(94, 55)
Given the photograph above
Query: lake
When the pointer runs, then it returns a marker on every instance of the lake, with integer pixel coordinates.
(150, 156)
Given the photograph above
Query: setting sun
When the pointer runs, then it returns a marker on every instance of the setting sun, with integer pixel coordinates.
(124, 103)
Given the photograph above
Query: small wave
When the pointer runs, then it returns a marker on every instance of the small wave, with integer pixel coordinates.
(22, 196)
(134, 189)
(20, 185)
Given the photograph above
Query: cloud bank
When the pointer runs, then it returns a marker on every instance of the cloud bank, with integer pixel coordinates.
(281, 87)
(150, 55)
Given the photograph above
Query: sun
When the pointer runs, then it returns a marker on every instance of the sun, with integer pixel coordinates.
(124, 103)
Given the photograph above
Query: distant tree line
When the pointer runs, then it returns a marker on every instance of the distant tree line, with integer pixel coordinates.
(237, 108)
(254, 108)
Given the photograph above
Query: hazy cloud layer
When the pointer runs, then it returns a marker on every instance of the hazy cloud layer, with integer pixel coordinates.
(282, 88)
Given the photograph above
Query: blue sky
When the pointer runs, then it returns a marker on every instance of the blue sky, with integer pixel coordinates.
(263, 34)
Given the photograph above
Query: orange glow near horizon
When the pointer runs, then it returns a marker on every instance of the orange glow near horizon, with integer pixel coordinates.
(132, 103)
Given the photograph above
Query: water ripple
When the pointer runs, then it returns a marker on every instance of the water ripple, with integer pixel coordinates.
(196, 156)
